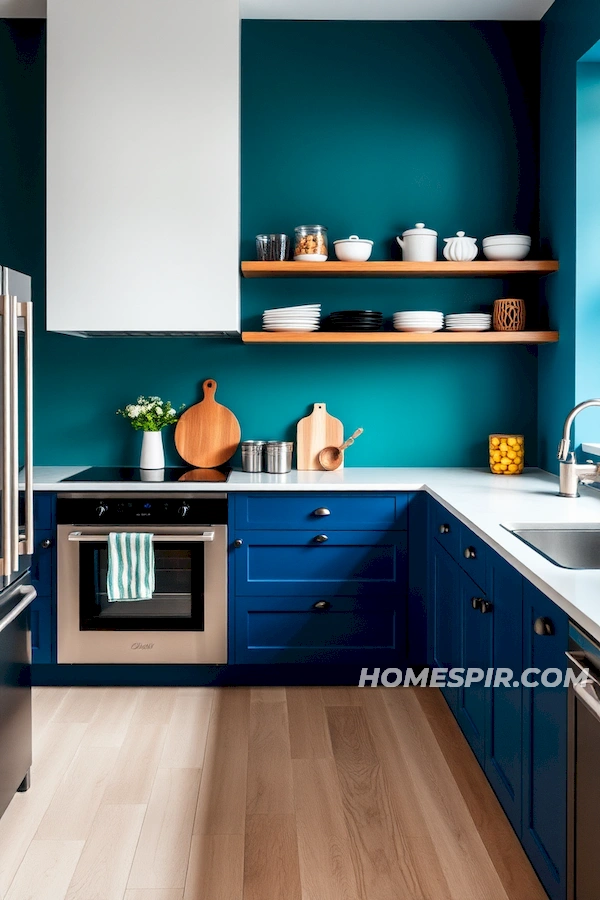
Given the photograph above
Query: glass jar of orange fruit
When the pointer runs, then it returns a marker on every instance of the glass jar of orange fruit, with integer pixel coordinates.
(507, 455)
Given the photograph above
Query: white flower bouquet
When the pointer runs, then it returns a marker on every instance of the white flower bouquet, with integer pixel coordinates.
(150, 414)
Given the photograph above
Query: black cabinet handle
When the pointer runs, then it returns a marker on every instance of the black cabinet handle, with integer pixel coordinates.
(238, 542)
(322, 511)
(47, 543)
(476, 602)
(321, 538)
(544, 626)
(470, 553)
(321, 604)
(486, 606)
(444, 529)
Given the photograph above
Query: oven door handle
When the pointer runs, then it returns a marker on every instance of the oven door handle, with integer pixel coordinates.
(202, 537)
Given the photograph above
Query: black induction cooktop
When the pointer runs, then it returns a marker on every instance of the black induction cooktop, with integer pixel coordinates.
(129, 474)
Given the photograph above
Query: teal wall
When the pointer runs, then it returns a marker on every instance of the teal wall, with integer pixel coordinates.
(569, 371)
(367, 128)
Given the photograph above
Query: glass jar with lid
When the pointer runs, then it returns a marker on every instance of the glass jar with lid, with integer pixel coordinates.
(310, 243)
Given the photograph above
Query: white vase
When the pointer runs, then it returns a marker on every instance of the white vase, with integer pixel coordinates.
(153, 454)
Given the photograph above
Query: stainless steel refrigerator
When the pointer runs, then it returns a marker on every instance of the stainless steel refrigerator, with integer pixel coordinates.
(16, 530)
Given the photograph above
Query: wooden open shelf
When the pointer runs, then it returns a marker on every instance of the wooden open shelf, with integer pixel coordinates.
(397, 337)
(440, 269)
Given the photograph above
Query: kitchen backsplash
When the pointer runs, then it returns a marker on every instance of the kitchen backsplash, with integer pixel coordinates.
(366, 128)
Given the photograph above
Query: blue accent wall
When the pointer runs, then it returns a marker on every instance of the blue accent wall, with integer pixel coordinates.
(568, 371)
(367, 127)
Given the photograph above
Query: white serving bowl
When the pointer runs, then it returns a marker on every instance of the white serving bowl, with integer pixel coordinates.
(498, 252)
(353, 249)
(507, 239)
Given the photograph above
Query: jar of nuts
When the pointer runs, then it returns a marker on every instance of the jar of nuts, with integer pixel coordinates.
(310, 243)
(507, 455)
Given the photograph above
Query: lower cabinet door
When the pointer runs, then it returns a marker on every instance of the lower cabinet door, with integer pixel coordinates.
(503, 764)
(445, 616)
(545, 727)
(320, 630)
(474, 699)
(41, 630)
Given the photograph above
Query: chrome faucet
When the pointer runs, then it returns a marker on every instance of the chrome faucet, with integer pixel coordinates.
(571, 474)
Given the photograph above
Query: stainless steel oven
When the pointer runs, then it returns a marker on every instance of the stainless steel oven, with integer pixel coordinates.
(185, 621)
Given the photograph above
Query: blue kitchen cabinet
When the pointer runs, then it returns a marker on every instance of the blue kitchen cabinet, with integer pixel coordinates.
(43, 579)
(305, 510)
(42, 641)
(475, 624)
(545, 729)
(503, 763)
(444, 616)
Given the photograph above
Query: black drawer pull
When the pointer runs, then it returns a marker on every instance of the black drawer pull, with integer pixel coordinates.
(444, 529)
(47, 543)
(321, 538)
(486, 606)
(476, 602)
(321, 604)
(470, 553)
(321, 511)
(544, 626)
(238, 542)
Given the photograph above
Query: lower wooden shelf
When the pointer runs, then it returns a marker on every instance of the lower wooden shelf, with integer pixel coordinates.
(396, 337)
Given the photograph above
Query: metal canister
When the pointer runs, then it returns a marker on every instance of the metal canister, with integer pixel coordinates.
(278, 456)
(252, 456)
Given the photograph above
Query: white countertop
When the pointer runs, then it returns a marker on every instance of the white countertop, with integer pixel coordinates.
(482, 501)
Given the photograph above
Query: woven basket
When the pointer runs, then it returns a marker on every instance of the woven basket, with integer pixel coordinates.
(509, 315)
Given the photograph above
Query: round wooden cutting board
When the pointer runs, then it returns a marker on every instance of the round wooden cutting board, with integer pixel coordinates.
(207, 434)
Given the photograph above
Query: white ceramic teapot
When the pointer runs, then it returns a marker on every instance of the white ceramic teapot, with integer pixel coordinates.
(419, 244)
(460, 248)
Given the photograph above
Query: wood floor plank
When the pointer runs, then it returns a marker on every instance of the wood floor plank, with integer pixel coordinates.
(268, 695)
(105, 861)
(114, 711)
(216, 869)
(309, 734)
(326, 870)
(74, 806)
(185, 743)
(154, 706)
(222, 798)
(380, 854)
(45, 702)
(270, 783)
(463, 856)
(133, 774)
(46, 871)
(79, 704)
(342, 696)
(510, 861)
(271, 865)
(162, 853)
(53, 754)
(153, 895)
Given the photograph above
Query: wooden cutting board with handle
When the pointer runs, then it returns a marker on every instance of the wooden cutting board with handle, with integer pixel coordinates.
(316, 431)
(207, 434)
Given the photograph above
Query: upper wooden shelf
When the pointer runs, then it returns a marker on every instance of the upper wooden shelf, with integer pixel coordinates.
(396, 337)
(440, 269)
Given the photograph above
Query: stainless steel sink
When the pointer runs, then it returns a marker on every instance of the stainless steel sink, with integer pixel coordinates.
(569, 546)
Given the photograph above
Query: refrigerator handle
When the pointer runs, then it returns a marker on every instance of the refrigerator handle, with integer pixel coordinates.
(25, 311)
(7, 495)
(14, 459)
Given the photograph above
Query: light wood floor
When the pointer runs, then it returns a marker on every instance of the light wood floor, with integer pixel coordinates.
(255, 794)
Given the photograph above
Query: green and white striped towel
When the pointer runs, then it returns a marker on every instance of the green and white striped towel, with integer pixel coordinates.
(130, 566)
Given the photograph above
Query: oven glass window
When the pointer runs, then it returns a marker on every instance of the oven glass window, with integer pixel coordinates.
(176, 605)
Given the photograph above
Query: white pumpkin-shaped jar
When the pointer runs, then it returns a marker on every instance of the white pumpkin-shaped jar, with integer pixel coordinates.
(460, 248)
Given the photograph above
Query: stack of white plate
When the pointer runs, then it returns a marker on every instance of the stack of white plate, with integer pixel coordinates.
(469, 322)
(293, 318)
(419, 321)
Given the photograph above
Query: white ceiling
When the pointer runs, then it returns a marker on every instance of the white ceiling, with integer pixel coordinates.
(511, 10)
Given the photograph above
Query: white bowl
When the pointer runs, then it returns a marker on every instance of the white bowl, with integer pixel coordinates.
(311, 257)
(353, 249)
(507, 239)
(508, 251)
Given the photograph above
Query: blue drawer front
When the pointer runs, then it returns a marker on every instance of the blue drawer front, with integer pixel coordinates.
(349, 563)
(44, 510)
(444, 528)
(305, 510)
(267, 631)
(42, 564)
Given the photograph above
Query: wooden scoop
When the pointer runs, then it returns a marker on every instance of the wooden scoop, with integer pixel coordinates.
(330, 458)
